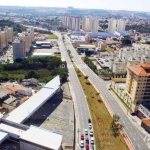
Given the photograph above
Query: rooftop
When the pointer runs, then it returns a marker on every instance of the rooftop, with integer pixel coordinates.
(25, 110)
(146, 121)
(42, 137)
(140, 70)
(3, 93)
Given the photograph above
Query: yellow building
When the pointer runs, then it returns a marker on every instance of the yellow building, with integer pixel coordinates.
(137, 90)
(9, 33)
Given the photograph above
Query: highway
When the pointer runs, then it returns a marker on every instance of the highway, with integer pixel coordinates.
(83, 110)
(135, 136)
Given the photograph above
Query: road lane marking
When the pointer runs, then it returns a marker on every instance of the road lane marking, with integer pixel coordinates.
(130, 133)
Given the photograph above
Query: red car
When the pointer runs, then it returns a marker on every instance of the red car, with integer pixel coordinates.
(82, 136)
(87, 146)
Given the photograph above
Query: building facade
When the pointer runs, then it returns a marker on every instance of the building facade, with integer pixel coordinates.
(18, 49)
(137, 90)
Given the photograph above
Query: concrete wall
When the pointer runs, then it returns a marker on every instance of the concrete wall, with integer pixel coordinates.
(119, 80)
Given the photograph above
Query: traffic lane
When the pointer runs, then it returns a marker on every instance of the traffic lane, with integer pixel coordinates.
(132, 128)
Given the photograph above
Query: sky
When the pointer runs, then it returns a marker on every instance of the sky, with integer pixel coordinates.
(135, 5)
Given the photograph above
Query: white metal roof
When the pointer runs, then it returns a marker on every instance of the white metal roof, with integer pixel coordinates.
(42, 54)
(25, 110)
(3, 136)
(43, 42)
(42, 137)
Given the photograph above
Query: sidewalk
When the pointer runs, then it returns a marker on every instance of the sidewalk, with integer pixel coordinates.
(134, 119)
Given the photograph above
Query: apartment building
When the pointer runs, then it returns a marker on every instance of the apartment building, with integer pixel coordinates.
(90, 24)
(137, 90)
(9, 33)
(116, 25)
(31, 31)
(18, 49)
(3, 40)
(72, 22)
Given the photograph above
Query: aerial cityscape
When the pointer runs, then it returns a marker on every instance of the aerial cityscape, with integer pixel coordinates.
(75, 75)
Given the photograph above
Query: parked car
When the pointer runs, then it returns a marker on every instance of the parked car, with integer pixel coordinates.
(86, 132)
(82, 136)
(82, 144)
(6, 147)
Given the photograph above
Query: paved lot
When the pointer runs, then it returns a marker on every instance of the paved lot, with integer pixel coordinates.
(57, 115)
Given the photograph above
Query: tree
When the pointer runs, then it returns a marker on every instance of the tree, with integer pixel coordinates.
(97, 94)
(86, 77)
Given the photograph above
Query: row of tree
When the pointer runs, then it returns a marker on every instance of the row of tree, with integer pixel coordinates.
(28, 68)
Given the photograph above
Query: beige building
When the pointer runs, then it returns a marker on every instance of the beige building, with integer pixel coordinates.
(18, 49)
(31, 30)
(137, 90)
(3, 41)
(9, 33)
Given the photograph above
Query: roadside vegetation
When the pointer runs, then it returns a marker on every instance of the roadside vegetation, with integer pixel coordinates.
(41, 68)
(103, 124)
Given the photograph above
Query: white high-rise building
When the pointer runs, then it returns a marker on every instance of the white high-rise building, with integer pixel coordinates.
(90, 24)
(112, 25)
(116, 25)
(18, 49)
(121, 24)
(72, 22)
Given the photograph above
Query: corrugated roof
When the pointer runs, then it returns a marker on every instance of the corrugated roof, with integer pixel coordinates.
(3, 93)
(3, 136)
(42, 137)
(10, 100)
(25, 110)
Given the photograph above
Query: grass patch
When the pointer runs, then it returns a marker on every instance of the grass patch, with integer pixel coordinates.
(101, 119)
(108, 49)
(51, 36)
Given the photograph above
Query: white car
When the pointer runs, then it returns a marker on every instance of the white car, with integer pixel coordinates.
(82, 144)
(90, 125)
(92, 140)
(86, 132)
(91, 133)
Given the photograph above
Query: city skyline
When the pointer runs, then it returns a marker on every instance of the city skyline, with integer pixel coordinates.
(133, 5)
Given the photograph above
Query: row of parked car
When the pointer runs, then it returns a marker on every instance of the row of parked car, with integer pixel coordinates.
(85, 137)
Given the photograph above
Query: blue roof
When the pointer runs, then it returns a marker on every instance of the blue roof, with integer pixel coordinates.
(122, 33)
(103, 34)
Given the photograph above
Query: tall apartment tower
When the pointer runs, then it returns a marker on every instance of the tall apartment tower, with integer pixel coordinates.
(9, 33)
(3, 39)
(112, 25)
(121, 24)
(31, 30)
(18, 49)
(116, 25)
(72, 22)
(30, 37)
(90, 24)
(137, 90)
(25, 37)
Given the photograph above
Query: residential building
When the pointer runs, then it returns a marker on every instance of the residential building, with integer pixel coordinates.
(3, 41)
(137, 90)
(90, 24)
(72, 22)
(31, 30)
(9, 33)
(18, 49)
(116, 25)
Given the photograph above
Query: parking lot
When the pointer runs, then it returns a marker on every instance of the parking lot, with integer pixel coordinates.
(57, 115)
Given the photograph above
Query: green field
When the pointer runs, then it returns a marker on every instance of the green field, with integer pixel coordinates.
(51, 36)
(101, 119)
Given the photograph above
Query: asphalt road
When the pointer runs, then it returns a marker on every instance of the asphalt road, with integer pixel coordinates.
(78, 91)
(135, 136)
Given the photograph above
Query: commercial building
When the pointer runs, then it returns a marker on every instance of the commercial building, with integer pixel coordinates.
(72, 22)
(90, 24)
(37, 138)
(29, 107)
(18, 49)
(137, 90)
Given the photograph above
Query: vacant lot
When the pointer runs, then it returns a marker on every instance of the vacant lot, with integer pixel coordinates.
(101, 119)
(51, 36)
